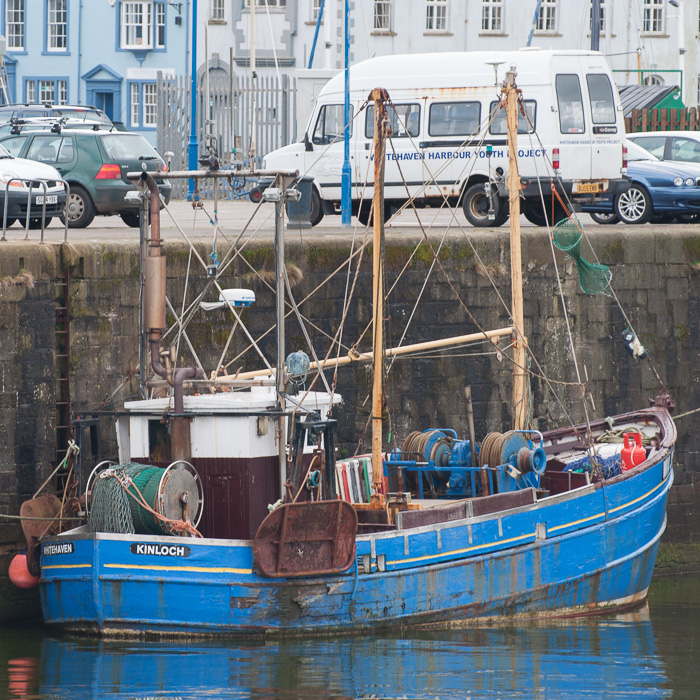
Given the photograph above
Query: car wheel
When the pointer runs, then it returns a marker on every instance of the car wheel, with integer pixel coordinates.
(476, 206)
(633, 206)
(604, 217)
(80, 209)
(316, 214)
(34, 222)
(131, 218)
(255, 195)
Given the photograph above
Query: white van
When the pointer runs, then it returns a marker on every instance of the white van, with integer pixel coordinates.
(449, 134)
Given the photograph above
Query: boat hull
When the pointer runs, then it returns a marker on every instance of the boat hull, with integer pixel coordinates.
(580, 552)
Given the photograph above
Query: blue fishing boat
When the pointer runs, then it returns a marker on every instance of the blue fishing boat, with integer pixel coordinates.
(212, 522)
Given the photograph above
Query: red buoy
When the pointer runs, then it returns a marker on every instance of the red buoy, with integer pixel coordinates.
(19, 573)
(632, 454)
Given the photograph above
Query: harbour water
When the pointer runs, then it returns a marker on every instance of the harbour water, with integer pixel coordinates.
(649, 653)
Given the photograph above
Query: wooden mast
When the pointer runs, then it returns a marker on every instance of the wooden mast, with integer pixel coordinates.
(379, 96)
(516, 269)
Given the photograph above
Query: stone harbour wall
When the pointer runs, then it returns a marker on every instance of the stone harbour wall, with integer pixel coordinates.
(656, 278)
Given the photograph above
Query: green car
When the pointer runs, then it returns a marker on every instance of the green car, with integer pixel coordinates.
(95, 165)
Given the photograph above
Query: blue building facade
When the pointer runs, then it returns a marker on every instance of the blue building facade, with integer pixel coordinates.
(105, 53)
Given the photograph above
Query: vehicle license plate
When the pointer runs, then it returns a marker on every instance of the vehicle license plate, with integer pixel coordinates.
(587, 187)
(50, 199)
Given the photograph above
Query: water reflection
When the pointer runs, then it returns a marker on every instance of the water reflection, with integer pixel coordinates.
(614, 657)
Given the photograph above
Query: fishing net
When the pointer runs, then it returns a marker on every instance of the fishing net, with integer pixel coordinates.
(609, 466)
(114, 508)
(593, 277)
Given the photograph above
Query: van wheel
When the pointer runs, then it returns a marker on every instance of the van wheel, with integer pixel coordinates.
(34, 222)
(80, 209)
(534, 213)
(316, 213)
(363, 214)
(131, 218)
(476, 206)
(634, 205)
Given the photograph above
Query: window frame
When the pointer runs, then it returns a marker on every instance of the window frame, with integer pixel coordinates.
(137, 107)
(22, 10)
(488, 8)
(217, 10)
(49, 24)
(548, 17)
(324, 140)
(272, 4)
(393, 113)
(595, 120)
(521, 119)
(653, 13)
(385, 15)
(31, 89)
(582, 130)
(603, 18)
(153, 25)
(434, 22)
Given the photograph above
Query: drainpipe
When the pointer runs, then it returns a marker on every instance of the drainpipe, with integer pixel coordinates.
(80, 48)
(155, 325)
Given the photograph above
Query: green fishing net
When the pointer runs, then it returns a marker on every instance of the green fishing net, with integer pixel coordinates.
(593, 277)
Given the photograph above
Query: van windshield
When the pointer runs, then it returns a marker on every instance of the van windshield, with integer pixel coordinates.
(601, 96)
(330, 124)
(404, 118)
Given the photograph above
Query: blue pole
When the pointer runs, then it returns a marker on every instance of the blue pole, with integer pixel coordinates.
(534, 22)
(346, 182)
(318, 26)
(192, 161)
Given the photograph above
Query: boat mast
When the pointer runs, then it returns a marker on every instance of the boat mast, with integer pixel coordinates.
(516, 270)
(381, 120)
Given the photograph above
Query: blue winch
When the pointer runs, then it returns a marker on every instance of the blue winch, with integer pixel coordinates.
(437, 462)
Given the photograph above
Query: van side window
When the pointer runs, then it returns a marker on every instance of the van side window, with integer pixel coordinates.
(454, 118)
(570, 104)
(330, 124)
(405, 121)
(499, 124)
(601, 96)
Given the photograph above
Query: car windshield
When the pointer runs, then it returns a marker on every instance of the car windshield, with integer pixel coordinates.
(123, 146)
(635, 152)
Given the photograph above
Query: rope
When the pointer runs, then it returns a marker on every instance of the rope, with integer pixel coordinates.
(73, 449)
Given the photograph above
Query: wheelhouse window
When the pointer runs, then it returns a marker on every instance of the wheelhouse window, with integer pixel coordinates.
(330, 125)
(382, 15)
(653, 17)
(526, 125)
(548, 16)
(436, 15)
(601, 96)
(57, 25)
(570, 104)
(454, 118)
(404, 118)
(14, 24)
(491, 15)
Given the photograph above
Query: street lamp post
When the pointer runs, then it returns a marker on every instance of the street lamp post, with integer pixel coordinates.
(193, 146)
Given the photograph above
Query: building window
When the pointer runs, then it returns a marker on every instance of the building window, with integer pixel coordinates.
(57, 25)
(150, 105)
(143, 108)
(47, 92)
(315, 10)
(547, 17)
(14, 24)
(134, 104)
(269, 3)
(160, 25)
(62, 88)
(436, 15)
(653, 19)
(136, 25)
(217, 10)
(602, 17)
(382, 15)
(30, 92)
(492, 15)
